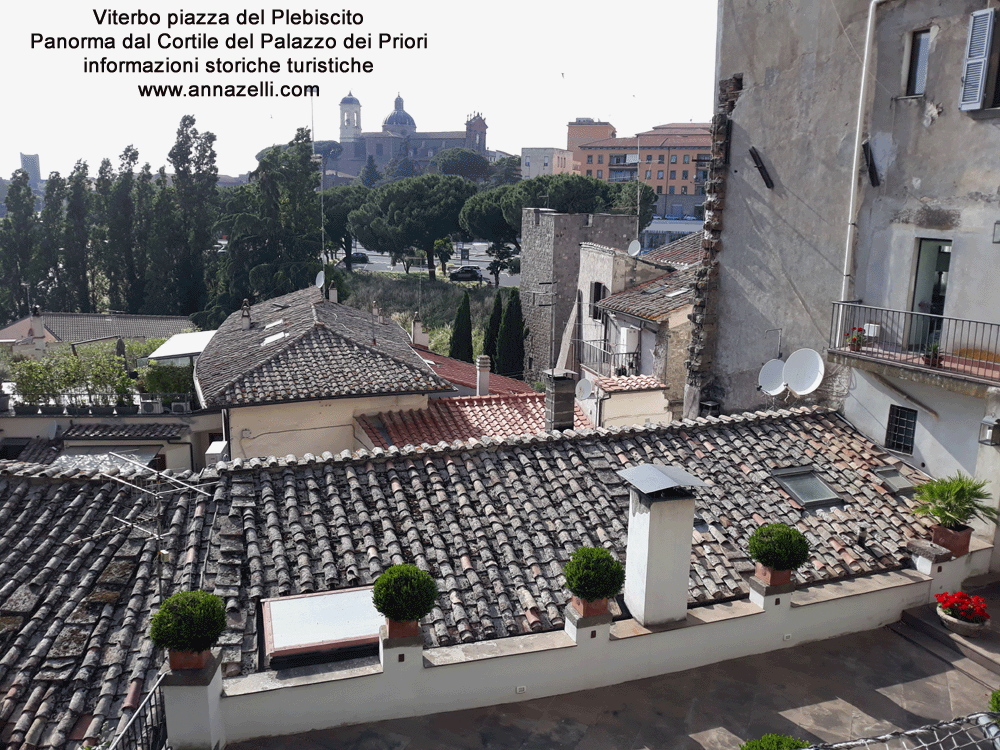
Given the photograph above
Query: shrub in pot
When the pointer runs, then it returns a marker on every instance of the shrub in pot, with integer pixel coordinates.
(404, 594)
(189, 623)
(774, 742)
(953, 502)
(593, 576)
(778, 549)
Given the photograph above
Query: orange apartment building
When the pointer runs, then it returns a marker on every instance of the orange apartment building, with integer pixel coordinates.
(673, 159)
(582, 131)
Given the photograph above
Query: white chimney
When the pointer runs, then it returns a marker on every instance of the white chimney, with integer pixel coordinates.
(482, 375)
(658, 554)
(418, 336)
(245, 315)
(333, 292)
(38, 328)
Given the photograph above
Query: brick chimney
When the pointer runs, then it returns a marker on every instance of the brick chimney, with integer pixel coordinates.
(560, 387)
(482, 375)
(658, 554)
(245, 315)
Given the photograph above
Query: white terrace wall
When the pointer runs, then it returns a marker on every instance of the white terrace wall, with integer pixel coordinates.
(490, 673)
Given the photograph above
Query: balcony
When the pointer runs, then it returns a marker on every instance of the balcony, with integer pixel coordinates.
(595, 356)
(959, 354)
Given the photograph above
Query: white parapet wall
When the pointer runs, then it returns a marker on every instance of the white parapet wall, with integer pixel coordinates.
(545, 664)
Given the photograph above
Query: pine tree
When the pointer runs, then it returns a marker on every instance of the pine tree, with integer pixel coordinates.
(493, 329)
(510, 340)
(370, 176)
(461, 332)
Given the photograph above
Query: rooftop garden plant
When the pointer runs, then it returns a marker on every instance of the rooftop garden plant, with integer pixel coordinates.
(404, 593)
(856, 337)
(954, 501)
(189, 621)
(995, 701)
(963, 607)
(592, 574)
(774, 742)
(778, 546)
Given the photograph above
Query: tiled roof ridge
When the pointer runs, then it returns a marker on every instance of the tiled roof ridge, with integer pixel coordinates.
(493, 397)
(444, 448)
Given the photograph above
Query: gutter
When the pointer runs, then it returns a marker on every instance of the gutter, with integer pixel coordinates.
(852, 209)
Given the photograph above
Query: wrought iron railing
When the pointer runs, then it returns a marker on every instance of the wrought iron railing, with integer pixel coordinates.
(954, 346)
(147, 729)
(595, 356)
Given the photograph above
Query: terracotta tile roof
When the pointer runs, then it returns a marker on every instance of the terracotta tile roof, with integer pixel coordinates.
(493, 521)
(630, 383)
(126, 431)
(653, 139)
(302, 347)
(72, 327)
(657, 298)
(451, 419)
(40, 451)
(464, 374)
(681, 252)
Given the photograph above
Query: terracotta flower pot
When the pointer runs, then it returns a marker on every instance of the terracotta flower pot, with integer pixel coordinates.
(189, 659)
(407, 629)
(590, 609)
(956, 542)
(855, 346)
(961, 627)
(772, 577)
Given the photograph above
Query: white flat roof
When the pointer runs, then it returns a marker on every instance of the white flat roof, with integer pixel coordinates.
(183, 345)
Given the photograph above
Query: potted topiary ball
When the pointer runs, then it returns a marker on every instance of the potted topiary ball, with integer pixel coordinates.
(778, 550)
(593, 576)
(953, 502)
(189, 623)
(404, 594)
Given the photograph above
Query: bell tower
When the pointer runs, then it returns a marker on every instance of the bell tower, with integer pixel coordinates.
(350, 119)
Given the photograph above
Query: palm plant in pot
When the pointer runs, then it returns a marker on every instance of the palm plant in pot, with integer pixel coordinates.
(593, 576)
(404, 594)
(953, 502)
(189, 623)
(777, 549)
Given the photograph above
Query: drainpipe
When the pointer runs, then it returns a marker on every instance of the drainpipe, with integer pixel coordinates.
(845, 289)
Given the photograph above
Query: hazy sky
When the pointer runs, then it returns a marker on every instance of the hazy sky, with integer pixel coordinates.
(528, 67)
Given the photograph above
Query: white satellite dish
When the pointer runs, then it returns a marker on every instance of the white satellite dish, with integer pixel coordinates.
(320, 279)
(634, 248)
(803, 372)
(771, 378)
(53, 430)
(584, 390)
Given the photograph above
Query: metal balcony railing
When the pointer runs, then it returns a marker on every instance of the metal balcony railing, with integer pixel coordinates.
(957, 347)
(595, 356)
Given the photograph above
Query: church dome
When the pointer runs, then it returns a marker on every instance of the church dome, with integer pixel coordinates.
(349, 99)
(398, 118)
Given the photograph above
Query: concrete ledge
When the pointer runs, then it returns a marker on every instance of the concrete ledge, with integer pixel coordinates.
(927, 550)
(582, 622)
(759, 587)
(826, 592)
(261, 682)
(501, 647)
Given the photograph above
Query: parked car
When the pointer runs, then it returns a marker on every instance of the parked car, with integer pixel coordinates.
(466, 273)
(357, 259)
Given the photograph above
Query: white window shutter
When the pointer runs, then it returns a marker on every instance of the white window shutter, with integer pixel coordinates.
(977, 60)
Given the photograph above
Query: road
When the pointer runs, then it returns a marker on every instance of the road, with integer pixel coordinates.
(477, 257)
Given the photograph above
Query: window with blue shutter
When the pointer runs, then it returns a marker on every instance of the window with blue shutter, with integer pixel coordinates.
(977, 56)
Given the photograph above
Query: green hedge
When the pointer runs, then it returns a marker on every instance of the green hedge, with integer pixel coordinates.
(592, 573)
(774, 742)
(779, 546)
(189, 621)
(404, 593)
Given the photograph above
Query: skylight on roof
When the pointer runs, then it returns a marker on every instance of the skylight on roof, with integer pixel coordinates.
(895, 481)
(679, 291)
(802, 483)
(274, 323)
(272, 338)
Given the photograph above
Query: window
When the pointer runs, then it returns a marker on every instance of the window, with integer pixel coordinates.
(659, 159)
(699, 190)
(597, 292)
(671, 190)
(978, 64)
(378, 149)
(590, 173)
(527, 161)
(900, 429)
(687, 158)
(600, 174)
(802, 483)
(684, 189)
(590, 158)
(649, 174)
(546, 162)
(684, 175)
(649, 158)
(673, 158)
(600, 158)
(659, 189)
(704, 157)
(659, 174)
(673, 174)
(916, 81)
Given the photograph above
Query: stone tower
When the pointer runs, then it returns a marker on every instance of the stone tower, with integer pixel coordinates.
(350, 119)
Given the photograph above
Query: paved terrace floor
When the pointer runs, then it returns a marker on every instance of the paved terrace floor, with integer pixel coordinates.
(859, 685)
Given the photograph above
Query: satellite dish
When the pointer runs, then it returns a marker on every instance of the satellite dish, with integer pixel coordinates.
(584, 389)
(320, 279)
(53, 430)
(771, 378)
(803, 372)
(634, 248)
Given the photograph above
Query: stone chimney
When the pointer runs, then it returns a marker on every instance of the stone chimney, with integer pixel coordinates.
(38, 328)
(482, 375)
(658, 554)
(418, 336)
(560, 387)
(245, 315)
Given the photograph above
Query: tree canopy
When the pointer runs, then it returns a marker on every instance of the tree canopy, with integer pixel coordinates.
(510, 339)
(338, 202)
(460, 346)
(463, 162)
(482, 216)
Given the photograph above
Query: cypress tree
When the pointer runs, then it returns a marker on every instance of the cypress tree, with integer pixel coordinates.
(461, 332)
(510, 341)
(493, 329)
(370, 176)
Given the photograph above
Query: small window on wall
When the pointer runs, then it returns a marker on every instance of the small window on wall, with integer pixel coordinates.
(900, 429)
(659, 189)
(659, 159)
(673, 158)
(916, 81)
(597, 292)
(590, 158)
(600, 174)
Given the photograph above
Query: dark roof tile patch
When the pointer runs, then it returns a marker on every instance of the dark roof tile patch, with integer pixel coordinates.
(685, 251)
(125, 431)
(655, 299)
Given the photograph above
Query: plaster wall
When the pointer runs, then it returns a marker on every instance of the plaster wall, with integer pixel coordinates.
(545, 664)
(308, 426)
(635, 407)
(533, 161)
